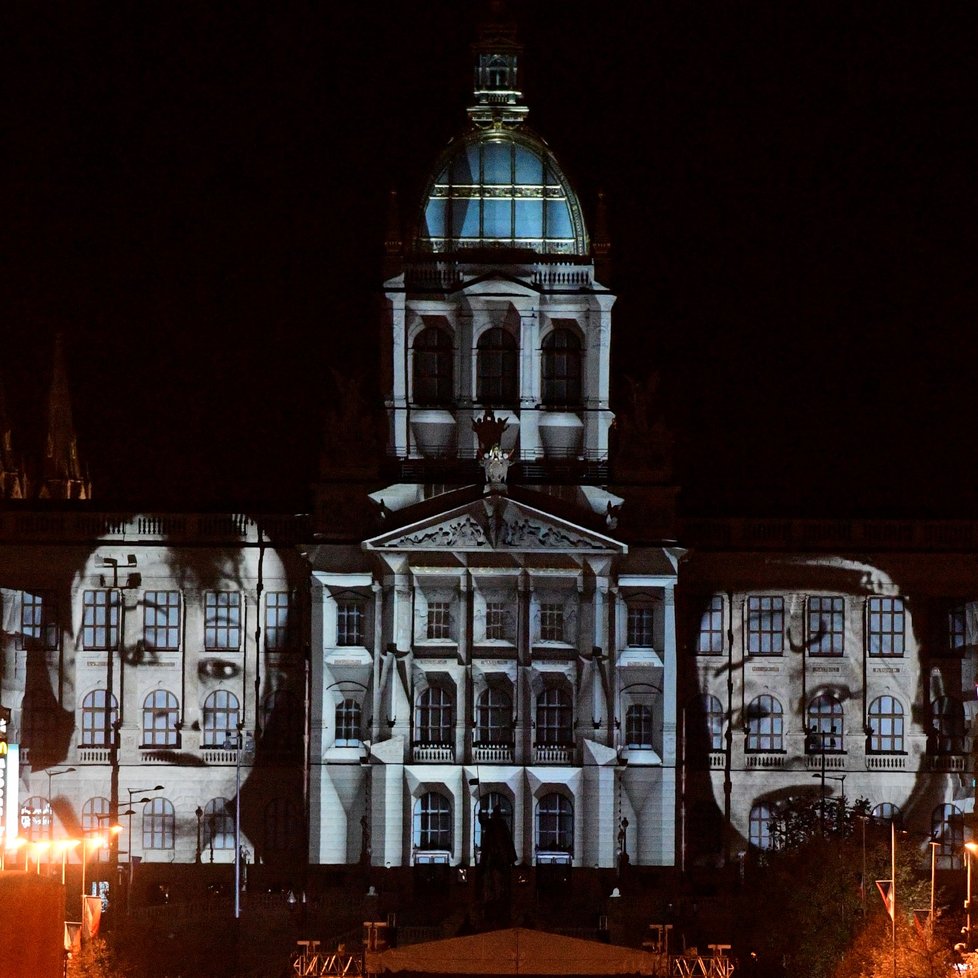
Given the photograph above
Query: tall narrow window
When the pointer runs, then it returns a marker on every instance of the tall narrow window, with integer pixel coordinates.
(159, 824)
(709, 641)
(551, 622)
(432, 827)
(161, 713)
(947, 717)
(348, 717)
(638, 726)
(218, 824)
(825, 724)
(36, 818)
(439, 620)
(221, 716)
(96, 821)
(760, 835)
(494, 717)
(765, 725)
(947, 829)
(100, 717)
(100, 619)
(434, 719)
(555, 828)
(39, 622)
(487, 806)
(765, 625)
(885, 726)
(555, 718)
(826, 625)
(161, 620)
(432, 368)
(956, 633)
(639, 626)
(222, 620)
(885, 624)
(281, 825)
(278, 631)
(497, 621)
(496, 384)
(704, 724)
(349, 623)
(561, 369)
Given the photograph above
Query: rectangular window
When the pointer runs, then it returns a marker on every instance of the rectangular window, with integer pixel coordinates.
(765, 625)
(639, 626)
(552, 622)
(709, 641)
(495, 620)
(278, 632)
(439, 619)
(100, 619)
(38, 622)
(826, 626)
(349, 623)
(886, 625)
(222, 620)
(161, 620)
(957, 629)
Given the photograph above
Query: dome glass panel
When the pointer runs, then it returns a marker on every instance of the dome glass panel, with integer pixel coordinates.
(501, 191)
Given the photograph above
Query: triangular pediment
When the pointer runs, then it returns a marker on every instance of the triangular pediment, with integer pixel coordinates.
(495, 523)
(498, 282)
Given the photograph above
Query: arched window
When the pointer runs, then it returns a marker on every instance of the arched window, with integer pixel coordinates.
(36, 818)
(434, 721)
(555, 717)
(561, 369)
(348, 718)
(704, 724)
(159, 824)
(433, 822)
(638, 726)
(759, 830)
(765, 724)
(885, 726)
(496, 369)
(494, 717)
(432, 368)
(221, 718)
(825, 725)
(281, 722)
(218, 824)
(886, 811)
(281, 825)
(161, 713)
(96, 821)
(947, 715)
(100, 717)
(555, 829)
(947, 830)
(491, 801)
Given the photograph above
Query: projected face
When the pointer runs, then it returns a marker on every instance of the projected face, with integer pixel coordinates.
(795, 662)
(165, 653)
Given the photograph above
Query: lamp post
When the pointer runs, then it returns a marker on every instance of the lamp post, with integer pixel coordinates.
(199, 812)
(130, 813)
(240, 744)
(972, 849)
(54, 774)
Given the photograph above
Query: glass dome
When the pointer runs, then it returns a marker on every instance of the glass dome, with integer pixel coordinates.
(500, 189)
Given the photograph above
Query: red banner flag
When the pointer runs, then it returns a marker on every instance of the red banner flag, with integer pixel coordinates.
(886, 892)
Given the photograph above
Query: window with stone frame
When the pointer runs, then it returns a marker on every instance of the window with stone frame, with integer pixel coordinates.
(439, 620)
(638, 726)
(497, 621)
(222, 621)
(765, 725)
(159, 824)
(39, 628)
(826, 625)
(886, 720)
(885, 626)
(710, 638)
(434, 717)
(350, 622)
(278, 621)
(554, 718)
(639, 632)
(99, 719)
(348, 720)
(161, 717)
(161, 620)
(494, 717)
(765, 625)
(100, 619)
(432, 822)
(432, 368)
(551, 621)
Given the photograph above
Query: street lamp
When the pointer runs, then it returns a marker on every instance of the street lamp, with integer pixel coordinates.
(65, 846)
(972, 849)
(130, 813)
(54, 774)
(240, 744)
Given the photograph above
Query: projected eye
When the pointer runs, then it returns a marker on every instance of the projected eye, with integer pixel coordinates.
(217, 669)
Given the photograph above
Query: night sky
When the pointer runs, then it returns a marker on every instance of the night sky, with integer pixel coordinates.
(196, 194)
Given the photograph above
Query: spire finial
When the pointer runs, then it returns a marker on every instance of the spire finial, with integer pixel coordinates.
(62, 476)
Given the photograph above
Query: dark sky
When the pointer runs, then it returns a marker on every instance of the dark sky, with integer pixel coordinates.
(196, 194)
